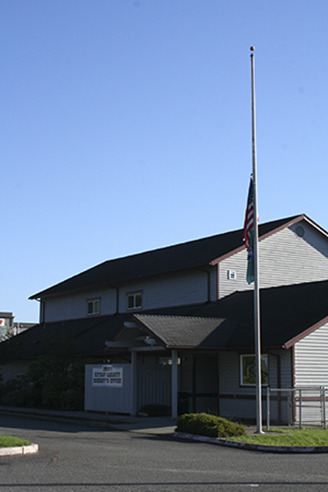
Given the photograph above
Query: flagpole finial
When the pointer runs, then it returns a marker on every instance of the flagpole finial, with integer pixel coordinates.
(252, 49)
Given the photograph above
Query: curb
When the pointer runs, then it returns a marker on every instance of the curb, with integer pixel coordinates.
(251, 447)
(21, 450)
(88, 421)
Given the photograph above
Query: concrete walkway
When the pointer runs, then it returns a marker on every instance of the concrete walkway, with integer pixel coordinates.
(146, 425)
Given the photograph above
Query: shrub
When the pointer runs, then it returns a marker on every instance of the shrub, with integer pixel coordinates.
(205, 424)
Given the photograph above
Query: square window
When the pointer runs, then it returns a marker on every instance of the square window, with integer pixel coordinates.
(93, 306)
(135, 300)
(248, 370)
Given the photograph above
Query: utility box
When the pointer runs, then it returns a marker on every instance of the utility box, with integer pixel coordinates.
(108, 388)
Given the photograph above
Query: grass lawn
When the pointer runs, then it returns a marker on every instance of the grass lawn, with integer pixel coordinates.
(12, 442)
(287, 437)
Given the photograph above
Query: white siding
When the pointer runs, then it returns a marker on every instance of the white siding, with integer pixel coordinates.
(311, 369)
(174, 290)
(74, 306)
(234, 402)
(285, 258)
(311, 360)
(187, 288)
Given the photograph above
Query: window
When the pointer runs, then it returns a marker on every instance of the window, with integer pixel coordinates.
(135, 300)
(93, 306)
(248, 370)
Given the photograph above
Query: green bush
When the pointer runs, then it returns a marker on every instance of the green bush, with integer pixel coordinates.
(205, 424)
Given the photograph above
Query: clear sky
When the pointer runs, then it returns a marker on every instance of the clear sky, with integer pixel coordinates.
(125, 126)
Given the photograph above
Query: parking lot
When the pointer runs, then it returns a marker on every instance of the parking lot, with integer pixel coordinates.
(73, 457)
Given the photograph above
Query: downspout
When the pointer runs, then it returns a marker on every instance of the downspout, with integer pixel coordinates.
(174, 384)
(117, 300)
(292, 360)
(209, 286)
(42, 309)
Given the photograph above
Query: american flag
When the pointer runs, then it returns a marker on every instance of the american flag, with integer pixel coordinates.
(249, 217)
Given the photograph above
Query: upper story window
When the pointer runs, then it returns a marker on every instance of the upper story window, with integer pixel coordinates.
(94, 306)
(135, 300)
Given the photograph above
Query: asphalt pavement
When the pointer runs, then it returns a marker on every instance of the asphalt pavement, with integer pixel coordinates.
(78, 457)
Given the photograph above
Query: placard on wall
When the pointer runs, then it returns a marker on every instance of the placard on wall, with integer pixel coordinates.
(107, 375)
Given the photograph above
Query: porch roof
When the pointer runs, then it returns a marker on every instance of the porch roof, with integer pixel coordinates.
(288, 314)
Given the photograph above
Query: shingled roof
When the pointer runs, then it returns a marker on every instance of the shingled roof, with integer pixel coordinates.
(199, 253)
(288, 314)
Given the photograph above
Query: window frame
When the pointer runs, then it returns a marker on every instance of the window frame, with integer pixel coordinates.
(94, 301)
(265, 382)
(133, 295)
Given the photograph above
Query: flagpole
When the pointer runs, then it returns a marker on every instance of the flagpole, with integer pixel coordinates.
(257, 327)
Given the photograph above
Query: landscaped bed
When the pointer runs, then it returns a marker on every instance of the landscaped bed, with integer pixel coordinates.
(309, 437)
(13, 442)
(203, 424)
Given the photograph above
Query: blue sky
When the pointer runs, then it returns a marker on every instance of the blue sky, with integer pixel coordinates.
(125, 126)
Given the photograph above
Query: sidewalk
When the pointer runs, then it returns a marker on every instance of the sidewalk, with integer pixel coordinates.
(145, 425)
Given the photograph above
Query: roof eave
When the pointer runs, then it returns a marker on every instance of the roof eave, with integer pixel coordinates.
(290, 343)
(297, 219)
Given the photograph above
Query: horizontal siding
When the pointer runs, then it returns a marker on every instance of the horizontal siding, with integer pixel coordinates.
(75, 306)
(173, 290)
(285, 258)
(311, 360)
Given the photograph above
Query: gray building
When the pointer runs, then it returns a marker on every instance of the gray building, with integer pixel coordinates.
(174, 326)
(9, 327)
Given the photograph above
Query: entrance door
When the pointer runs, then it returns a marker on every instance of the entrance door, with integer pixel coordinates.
(199, 383)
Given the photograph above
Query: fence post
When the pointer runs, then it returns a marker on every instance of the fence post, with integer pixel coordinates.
(290, 407)
(299, 408)
(323, 407)
(268, 408)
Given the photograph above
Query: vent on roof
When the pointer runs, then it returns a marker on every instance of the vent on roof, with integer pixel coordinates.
(300, 231)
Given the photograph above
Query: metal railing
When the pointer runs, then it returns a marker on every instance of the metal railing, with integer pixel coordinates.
(303, 405)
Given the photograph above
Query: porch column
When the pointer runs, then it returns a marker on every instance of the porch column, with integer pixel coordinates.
(134, 383)
(174, 384)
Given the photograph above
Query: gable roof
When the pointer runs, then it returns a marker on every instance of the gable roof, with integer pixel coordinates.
(199, 253)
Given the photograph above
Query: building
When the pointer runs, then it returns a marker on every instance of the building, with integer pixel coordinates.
(9, 328)
(174, 326)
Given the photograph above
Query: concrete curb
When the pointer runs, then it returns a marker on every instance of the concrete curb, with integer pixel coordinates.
(19, 450)
(251, 447)
(88, 421)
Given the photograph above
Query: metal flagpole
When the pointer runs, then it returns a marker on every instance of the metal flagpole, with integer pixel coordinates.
(257, 327)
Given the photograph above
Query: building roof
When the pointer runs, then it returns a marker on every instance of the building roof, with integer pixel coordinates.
(289, 313)
(199, 253)
(77, 337)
